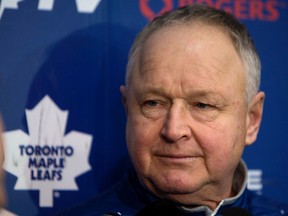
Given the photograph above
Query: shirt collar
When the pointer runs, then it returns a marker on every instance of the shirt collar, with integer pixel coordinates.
(239, 186)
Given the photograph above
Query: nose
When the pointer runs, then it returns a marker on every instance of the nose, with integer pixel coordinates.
(177, 124)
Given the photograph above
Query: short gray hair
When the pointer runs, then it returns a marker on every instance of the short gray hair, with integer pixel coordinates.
(185, 15)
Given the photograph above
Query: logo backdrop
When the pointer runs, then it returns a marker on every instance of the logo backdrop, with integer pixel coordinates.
(61, 65)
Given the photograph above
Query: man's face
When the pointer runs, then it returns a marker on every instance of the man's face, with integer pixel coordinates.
(187, 118)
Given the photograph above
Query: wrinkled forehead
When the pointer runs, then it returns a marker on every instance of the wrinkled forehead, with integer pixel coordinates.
(198, 39)
(187, 52)
(190, 28)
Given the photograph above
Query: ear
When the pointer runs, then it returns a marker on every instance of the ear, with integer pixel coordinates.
(254, 117)
(124, 97)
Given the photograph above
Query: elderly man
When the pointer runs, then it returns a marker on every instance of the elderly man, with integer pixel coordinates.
(192, 105)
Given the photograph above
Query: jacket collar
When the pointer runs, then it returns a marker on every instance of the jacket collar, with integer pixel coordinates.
(239, 200)
(239, 186)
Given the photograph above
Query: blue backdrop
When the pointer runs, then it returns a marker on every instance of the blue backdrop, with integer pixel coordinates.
(61, 65)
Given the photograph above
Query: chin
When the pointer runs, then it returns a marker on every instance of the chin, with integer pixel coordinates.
(177, 184)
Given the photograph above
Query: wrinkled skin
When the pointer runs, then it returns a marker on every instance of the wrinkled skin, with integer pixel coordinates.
(188, 120)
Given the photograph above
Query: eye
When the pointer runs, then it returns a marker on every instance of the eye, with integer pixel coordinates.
(202, 105)
(151, 103)
(154, 109)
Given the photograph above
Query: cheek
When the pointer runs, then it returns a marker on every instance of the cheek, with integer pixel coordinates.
(141, 137)
(223, 143)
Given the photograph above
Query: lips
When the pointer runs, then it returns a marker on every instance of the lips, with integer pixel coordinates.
(176, 156)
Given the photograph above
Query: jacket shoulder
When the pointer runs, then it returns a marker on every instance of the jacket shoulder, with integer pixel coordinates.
(98, 205)
(120, 198)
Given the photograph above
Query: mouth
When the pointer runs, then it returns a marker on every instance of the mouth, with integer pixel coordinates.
(177, 157)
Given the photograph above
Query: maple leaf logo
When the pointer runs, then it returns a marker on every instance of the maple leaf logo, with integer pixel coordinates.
(46, 159)
(11, 4)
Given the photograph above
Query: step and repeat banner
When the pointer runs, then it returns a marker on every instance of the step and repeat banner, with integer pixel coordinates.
(61, 65)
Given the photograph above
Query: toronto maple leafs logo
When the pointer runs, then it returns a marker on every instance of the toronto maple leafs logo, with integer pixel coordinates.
(46, 159)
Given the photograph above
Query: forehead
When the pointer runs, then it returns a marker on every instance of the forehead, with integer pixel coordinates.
(188, 52)
(189, 37)
(197, 41)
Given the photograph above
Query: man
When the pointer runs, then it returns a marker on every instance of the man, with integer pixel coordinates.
(192, 105)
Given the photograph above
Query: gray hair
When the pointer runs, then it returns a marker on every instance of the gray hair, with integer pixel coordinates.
(185, 15)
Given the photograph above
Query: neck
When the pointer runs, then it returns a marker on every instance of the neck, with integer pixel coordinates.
(206, 196)
(209, 195)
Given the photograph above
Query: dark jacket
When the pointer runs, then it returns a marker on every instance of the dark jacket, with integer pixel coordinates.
(129, 198)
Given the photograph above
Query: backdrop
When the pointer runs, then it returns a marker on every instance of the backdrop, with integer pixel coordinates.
(61, 65)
